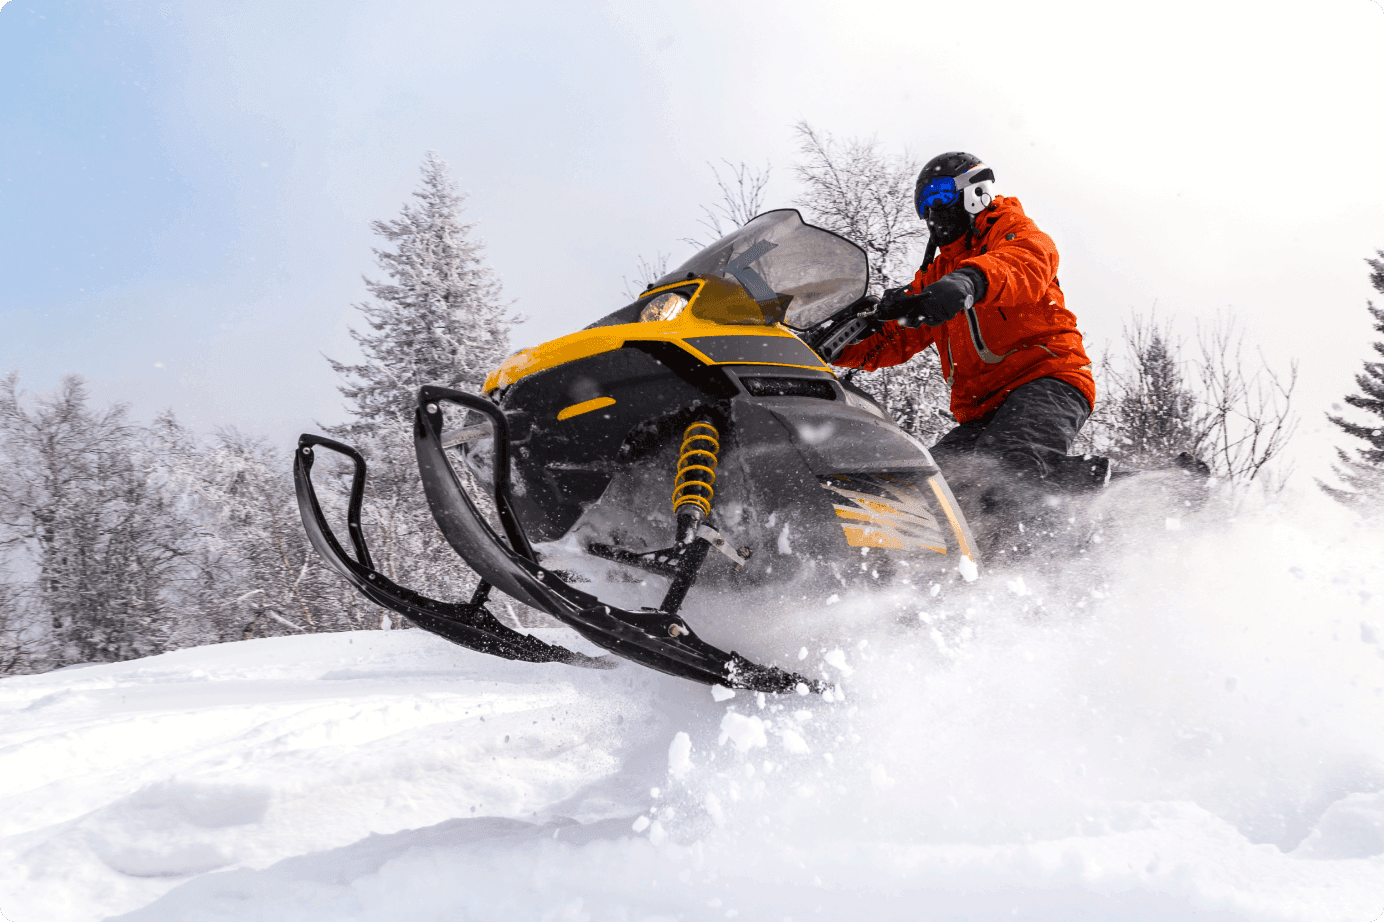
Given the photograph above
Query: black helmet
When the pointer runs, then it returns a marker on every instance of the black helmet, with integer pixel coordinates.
(952, 189)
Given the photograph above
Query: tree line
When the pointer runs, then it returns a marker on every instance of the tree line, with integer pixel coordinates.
(120, 540)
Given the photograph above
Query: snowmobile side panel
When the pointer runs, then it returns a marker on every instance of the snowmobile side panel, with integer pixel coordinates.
(468, 625)
(838, 438)
(578, 455)
(955, 518)
(563, 466)
(778, 477)
(654, 639)
(710, 380)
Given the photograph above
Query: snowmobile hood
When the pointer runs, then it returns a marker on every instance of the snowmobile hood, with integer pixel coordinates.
(737, 301)
(721, 325)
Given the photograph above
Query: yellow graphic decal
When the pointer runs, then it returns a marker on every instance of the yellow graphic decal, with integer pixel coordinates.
(586, 406)
(902, 523)
(859, 537)
(944, 497)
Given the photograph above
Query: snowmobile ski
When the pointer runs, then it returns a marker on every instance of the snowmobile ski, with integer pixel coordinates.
(468, 624)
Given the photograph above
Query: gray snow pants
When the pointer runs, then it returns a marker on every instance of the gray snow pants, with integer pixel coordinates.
(1030, 433)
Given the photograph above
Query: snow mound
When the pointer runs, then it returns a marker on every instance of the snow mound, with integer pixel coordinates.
(1192, 733)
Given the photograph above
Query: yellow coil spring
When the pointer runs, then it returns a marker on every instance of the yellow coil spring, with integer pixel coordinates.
(696, 467)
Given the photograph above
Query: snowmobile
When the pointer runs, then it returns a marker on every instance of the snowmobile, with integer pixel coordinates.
(693, 441)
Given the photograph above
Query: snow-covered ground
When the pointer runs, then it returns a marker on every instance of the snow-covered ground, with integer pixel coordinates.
(1195, 733)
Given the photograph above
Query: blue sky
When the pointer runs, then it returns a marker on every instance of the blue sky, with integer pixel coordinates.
(186, 188)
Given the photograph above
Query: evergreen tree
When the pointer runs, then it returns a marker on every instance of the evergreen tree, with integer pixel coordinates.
(1153, 412)
(84, 510)
(1363, 474)
(439, 319)
(257, 574)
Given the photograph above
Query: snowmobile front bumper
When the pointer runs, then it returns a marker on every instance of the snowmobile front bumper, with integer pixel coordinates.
(654, 639)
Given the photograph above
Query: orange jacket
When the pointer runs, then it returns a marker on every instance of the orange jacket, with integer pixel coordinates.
(1019, 332)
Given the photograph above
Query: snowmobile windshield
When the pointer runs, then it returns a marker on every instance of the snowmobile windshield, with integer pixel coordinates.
(777, 254)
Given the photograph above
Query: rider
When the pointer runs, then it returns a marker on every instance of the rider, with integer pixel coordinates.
(988, 298)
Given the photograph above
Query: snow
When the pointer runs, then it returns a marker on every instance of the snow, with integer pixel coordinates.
(783, 546)
(837, 659)
(744, 732)
(679, 755)
(968, 569)
(1192, 734)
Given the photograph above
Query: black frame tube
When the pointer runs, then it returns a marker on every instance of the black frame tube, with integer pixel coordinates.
(468, 624)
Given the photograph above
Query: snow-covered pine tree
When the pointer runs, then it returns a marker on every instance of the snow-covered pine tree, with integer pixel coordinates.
(438, 319)
(1149, 409)
(866, 196)
(86, 517)
(1363, 474)
(16, 648)
(1152, 409)
(257, 575)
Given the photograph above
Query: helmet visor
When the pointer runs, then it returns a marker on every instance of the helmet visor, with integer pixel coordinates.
(940, 191)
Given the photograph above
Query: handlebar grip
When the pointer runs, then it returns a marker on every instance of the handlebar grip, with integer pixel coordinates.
(843, 335)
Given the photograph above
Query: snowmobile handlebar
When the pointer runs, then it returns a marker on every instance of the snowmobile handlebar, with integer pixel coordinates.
(852, 323)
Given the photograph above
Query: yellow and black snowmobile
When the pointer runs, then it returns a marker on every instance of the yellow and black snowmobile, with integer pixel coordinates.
(692, 438)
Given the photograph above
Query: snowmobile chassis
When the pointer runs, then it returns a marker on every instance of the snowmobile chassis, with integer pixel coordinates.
(657, 639)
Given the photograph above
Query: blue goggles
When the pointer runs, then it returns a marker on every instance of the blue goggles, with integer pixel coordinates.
(939, 192)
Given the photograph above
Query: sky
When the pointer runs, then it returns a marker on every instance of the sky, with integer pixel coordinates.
(187, 188)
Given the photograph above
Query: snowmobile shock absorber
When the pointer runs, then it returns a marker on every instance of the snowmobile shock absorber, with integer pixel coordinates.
(694, 484)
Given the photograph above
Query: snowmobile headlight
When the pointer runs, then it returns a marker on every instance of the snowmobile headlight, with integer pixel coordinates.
(666, 306)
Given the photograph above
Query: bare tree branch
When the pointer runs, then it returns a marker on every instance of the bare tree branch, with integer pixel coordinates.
(1246, 419)
(742, 198)
(648, 272)
(866, 196)
(1155, 404)
(854, 189)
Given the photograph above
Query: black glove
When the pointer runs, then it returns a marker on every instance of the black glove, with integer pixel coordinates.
(942, 300)
(887, 300)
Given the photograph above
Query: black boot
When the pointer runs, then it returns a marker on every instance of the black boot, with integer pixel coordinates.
(1192, 465)
(1080, 473)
